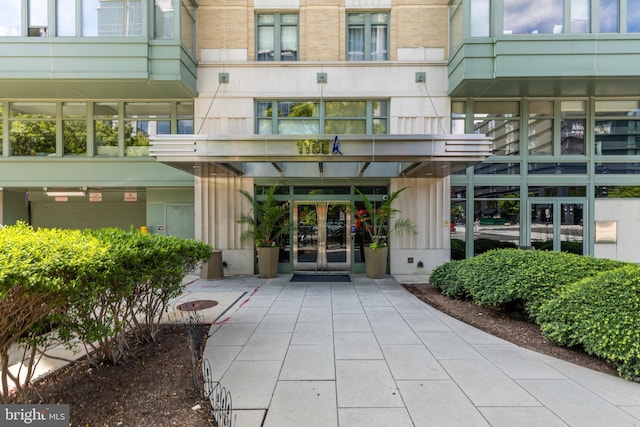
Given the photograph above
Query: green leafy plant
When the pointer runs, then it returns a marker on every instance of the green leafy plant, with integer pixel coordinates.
(377, 220)
(600, 314)
(267, 221)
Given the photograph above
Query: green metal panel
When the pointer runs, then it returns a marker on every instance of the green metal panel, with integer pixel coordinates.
(588, 64)
(95, 68)
(14, 207)
(180, 220)
(89, 172)
(84, 214)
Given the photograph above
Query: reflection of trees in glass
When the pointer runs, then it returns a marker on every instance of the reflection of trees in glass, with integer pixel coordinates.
(74, 137)
(106, 133)
(303, 109)
(624, 191)
(510, 209)
(134, 139)
(33, 137)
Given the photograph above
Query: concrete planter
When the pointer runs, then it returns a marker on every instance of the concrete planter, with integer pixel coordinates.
(375, 261)
(268, 262)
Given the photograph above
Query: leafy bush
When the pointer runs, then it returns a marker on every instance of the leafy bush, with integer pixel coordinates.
(602, 314)
(513, 276)
(40, 273)
(446, 277)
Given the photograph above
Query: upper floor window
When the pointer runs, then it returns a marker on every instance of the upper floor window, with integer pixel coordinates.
(277, 37)
(532, 17)
(111, 17)
(323, 117)
(368, 36)
(164, 19)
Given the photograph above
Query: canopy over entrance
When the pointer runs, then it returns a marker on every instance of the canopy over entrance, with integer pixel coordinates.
(323, 156)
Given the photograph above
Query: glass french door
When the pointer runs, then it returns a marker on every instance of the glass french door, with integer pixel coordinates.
(557, 225)
(322, 239)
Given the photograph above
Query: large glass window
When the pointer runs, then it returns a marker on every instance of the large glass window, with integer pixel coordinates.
(10, 18)
(111, 17)
(185, 117)
(105, 127)
(74, 128)
(633, 16)
(532, 16)
(541, 128)
(480, 18)
(458, 116)
(164, 19)
(329, 117)
(66, 18)
(572, 127)
(38, 18)
(277, 37)
(32, 128)
(499, 120)
(609, 16)
(617, 128)
(367, 36)
(188, 26)
(580, 12)
(141, 120)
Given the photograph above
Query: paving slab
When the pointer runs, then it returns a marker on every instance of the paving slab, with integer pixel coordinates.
(303, 403)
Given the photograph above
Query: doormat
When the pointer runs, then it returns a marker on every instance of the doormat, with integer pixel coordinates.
(319, 277)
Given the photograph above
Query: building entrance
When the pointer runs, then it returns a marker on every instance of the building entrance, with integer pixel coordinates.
(322, 239)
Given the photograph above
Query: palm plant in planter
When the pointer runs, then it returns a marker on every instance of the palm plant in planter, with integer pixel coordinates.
(266, 223)
(376, 223)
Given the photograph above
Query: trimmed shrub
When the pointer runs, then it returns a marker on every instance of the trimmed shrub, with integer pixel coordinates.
(601, 314)
(505, 277)
(446, 277)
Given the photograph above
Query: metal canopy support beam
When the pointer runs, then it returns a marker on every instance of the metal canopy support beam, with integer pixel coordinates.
(413, 167)
(229, 168)
(364, 167)
(278, 167)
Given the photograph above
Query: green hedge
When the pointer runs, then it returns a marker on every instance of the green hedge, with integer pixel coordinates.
(512, 277)
(446, 277)
(601, 314)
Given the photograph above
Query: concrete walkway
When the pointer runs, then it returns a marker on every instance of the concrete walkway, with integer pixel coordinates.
(368, 353)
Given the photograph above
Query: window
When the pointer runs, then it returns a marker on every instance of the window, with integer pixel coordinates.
(74, 128)
(572, 126)
(141, 120)
(608, 16)
(367, 36)
(188, 26)
(532, 16)
(38, 18)
(541, 128)
(501, 121)
(105, 128)
(633, 16)
(277, 37)
(328, 117)
(580, 16)
(111, 17)
(32, 128)
(66, 18)
(617, 128)
(10, 18)
(164, 18)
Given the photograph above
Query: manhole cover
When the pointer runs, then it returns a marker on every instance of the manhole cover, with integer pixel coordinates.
(197, 305)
